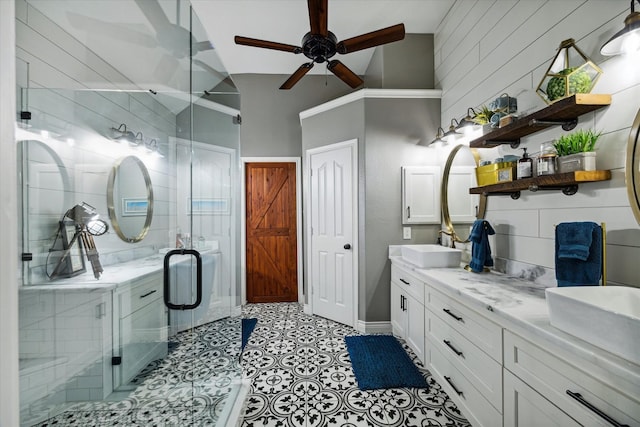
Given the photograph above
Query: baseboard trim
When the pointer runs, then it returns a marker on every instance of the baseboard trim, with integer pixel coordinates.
(307, 309)
(374, 327)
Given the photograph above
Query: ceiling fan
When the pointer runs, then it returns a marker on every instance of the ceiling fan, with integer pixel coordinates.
(320, 45)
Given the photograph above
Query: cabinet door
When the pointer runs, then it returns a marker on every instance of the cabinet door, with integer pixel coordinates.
(398, 316)
(421, 194)
(462, 207)
(524, 407)
(414, 333)
(143, 336)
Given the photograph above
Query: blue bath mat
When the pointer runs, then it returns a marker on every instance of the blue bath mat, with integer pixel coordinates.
(380, 362)
(247, 328)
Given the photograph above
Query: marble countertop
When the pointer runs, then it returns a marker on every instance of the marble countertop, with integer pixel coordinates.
(519, 305)
(112, 277)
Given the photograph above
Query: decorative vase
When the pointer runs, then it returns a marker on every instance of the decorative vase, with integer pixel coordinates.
(577, 162)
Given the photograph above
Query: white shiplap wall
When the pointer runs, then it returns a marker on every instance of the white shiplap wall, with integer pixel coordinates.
(485, 48)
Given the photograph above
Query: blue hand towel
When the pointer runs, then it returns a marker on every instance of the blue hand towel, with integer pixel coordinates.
(480, 249)
(574, 239)
(578, 253)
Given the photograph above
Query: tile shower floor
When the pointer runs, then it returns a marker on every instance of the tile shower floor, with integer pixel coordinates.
(300, 375)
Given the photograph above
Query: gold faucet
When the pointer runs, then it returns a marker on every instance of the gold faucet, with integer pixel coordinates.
(451, 234)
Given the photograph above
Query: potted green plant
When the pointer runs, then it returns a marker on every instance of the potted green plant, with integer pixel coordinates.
(576, 151)
(483, 117)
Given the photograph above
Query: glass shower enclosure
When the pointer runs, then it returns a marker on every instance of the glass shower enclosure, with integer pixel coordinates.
(128, 146)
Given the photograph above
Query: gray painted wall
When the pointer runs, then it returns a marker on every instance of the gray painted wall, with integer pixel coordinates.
(270, 121)
(393, 127)
(388, 131)
(407, 64)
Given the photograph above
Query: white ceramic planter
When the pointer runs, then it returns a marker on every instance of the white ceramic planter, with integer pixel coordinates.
(577, 162)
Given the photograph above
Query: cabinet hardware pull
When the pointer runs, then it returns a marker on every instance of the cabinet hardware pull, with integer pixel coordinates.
(148, 293)
(455, 350)
(405, 282)
(459, 393)
(408, 212)
(583, 401)
(402, 302)
(458, 318)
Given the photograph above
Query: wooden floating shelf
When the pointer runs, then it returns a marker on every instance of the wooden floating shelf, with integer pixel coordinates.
(564, 112)
(567, 182)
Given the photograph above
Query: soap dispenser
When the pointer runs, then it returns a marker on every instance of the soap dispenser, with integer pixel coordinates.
(525, 166)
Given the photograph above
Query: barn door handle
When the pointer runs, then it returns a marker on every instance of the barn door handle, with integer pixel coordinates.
(347, 246)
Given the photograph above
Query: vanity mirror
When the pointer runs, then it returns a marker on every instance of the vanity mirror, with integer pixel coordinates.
(632, 171)
(458, 206)
(130, 199)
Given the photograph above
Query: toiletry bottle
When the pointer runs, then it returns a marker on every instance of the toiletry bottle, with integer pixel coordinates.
(525, 166)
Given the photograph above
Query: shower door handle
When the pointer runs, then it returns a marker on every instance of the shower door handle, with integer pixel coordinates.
(167, 287)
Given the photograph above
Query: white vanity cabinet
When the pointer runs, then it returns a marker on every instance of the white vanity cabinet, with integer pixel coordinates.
(407, 309)
(464, 351)
(570, 389)
(140, 327)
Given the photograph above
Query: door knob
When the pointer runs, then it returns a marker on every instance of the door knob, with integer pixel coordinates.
(347, 246)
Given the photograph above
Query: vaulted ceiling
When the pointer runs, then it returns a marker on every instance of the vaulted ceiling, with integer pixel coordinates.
(287, 21)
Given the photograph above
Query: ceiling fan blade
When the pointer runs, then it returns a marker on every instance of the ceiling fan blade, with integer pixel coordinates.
(374, 38)
(295, 77)
(318, 16)
(344, 73)
(154, 14)
(202, 46)
(246, 41)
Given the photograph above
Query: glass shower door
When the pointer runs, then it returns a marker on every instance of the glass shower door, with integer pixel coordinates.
(153, 150)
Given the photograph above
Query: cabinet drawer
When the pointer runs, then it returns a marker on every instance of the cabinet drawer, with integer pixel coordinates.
(469, 323)
(573, 390)
(474, 406)
(409, 283)
(140, 294)
(474, 363)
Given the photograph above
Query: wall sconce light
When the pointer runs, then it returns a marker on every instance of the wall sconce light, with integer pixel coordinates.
(152, 147)
(439, 136)
(626, 40)
(121, 133)
(451, 135)
(467, 124)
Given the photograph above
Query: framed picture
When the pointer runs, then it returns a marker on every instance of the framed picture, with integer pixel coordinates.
(208, 206)
(134, 206)
(74, 262)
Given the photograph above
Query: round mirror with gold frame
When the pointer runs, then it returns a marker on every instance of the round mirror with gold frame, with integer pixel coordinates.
(460, 193)
(130, 199)
(632, 171)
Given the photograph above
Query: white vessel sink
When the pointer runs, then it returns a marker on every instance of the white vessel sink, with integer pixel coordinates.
(431, 256)
(605, 316)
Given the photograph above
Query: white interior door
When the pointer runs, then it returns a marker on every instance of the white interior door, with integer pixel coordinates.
(333, 178)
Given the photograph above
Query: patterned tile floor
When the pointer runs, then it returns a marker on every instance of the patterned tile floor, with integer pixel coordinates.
(187, 388)
(300, 375)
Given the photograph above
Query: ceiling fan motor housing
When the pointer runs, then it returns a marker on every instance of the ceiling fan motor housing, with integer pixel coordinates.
(319, 48)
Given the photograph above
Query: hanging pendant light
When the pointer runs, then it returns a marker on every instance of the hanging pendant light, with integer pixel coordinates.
(626, 40)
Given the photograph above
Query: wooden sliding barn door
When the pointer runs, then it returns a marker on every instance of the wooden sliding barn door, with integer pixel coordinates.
(272, 270)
